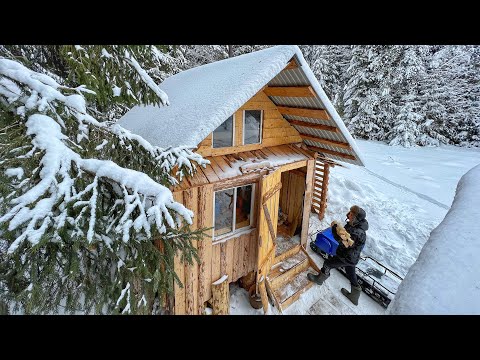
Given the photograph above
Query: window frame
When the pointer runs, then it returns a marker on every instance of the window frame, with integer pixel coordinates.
(261, 126)
(234, 217)
(233, 134)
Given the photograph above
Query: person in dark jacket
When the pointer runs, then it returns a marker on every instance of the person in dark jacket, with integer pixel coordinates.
(347, 257)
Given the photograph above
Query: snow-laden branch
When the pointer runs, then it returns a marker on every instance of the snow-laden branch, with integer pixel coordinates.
(180, 157)
(45, 204)
(146, 78)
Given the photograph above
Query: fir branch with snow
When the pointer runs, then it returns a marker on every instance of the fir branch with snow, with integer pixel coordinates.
(83, 222)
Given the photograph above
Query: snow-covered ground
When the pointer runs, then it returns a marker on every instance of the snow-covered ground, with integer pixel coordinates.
(405, 192)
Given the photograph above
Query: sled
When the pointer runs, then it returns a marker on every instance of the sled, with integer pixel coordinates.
(376, 280)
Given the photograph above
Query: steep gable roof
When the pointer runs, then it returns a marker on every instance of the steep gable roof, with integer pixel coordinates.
(203, 97)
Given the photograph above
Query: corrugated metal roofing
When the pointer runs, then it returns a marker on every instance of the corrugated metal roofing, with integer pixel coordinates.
(297, 77)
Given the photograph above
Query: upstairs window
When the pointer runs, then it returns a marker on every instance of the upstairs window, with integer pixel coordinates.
(233, 209)
(252, 126)
(223, 135)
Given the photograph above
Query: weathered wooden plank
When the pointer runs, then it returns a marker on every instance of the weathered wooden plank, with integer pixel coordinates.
(216, 259)
(286, 254)
(239, 180)
(290, 91)
(314, 126)
(249, 155)
(289, 301)
(290, 274)
(331, 152)
(237, 256)
(215, 167)
(221, 297)
(263, 295)
(210, 174)
(205, 220)
(294, 165)
(308, 113)
(339, 144)
(275, 152)
(307, 200)
(280, 133)
(223, 258)
(230, 258)
(179, 268)
(304, 150)
(220, 160)
(191, 271)
(238, 118)
(198, 179)
(271, 192)
(274, 120)
(270, 225)
(245, 256)
(281, 140)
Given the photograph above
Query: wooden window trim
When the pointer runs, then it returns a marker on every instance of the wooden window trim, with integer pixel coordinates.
(261, 126)
(232, 234)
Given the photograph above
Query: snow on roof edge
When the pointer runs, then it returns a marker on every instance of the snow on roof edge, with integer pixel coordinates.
(240, 78)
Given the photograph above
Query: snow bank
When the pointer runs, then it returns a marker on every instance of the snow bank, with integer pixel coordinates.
(444, 279)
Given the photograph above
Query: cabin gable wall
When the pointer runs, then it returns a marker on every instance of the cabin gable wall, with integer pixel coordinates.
(275, 129)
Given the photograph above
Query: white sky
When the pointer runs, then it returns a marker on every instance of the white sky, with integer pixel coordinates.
(406, 193)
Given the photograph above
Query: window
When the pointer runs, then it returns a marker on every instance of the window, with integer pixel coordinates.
(223, 135)
(252, 126)
(233, 209)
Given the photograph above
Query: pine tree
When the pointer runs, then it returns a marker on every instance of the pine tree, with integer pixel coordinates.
(196, 55)
(448, 103)
(405, 131)
(84, 204)
(329, 64)
(408, 71)
(367, 98)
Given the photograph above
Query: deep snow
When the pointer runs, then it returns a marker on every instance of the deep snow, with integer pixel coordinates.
(444, 279)
(405, 192)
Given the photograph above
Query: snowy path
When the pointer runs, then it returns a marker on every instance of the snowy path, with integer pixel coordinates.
(422, 196)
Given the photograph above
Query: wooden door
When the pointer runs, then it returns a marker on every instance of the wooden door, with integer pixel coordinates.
(267, 228)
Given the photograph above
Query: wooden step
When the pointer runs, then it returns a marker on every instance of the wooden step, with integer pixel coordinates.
(287, 254)
(291, 291)
(287, 269)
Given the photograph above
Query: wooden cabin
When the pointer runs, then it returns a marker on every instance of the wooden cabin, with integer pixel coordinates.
(270, 134)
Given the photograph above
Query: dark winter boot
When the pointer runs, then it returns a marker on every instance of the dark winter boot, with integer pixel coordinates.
(354, 295)
(317, 279)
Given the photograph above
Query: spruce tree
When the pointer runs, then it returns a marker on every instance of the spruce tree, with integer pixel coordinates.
(367, 97)
(329, 64)
(85, 205)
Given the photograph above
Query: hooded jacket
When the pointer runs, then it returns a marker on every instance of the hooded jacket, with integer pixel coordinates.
(357, 230)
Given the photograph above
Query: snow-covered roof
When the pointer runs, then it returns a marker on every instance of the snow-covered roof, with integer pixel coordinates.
(202, 98)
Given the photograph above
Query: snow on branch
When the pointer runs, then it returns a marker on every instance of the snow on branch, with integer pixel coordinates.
(180, 157)
(45, 204)
(146, 78)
